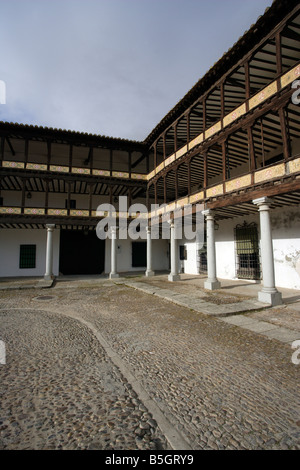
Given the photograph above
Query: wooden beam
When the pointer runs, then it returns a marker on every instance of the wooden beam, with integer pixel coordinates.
(255, 193)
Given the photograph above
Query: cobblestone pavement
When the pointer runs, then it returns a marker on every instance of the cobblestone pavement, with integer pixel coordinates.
(60, 391)
(220, 386)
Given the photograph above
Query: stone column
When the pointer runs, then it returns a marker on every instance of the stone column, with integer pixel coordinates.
(211, 282)
(149, 271)
(269, 294)
(49, 253)
(173, 276)
(113, 268)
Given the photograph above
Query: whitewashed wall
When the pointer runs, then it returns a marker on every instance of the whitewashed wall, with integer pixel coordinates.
(286, 245)
(10, 241)
(160, 259)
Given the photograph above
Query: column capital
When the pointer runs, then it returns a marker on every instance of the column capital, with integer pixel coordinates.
(50, 227)
(262, 201)
(208, 213)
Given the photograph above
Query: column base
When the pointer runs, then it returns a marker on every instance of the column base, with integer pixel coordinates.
(212, 285)
(114, 276)
(273, 298)
(149, 273)
(49, 277)
(174, 277)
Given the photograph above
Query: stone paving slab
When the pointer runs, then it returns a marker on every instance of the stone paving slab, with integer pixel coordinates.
(230, 313)
(283, 334)
(269, 330)
(198, 304)
(260, 327)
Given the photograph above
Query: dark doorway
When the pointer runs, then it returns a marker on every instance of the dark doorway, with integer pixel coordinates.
(139, 254)
(81, 252)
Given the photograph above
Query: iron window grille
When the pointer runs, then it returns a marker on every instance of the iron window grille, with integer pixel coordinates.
(247, 251)
(27, 256)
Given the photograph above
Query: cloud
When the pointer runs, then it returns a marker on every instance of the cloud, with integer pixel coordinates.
(111, 67)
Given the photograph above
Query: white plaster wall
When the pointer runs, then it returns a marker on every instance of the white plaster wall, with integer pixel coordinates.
(189, 265)
(160, 259)
(286, 245)
(10, 241)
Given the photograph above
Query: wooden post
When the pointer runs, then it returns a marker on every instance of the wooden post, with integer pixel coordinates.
(205, 176)
(155, 192)
(69, 197)
(2, 148)
(148, 198)
(165, 189)
(262, 142)
(129, 163)
(91, 199)
(222, 103)
(111, 161)
(188, 128)
(247, 84)
(91, 156)
(285, 138)
(46, 195)
(26, 151)
(48, 155)
(224, 148)
(175, 136)
(204, 116)
(252, 161)
(164, 145)
(278, 54)
(176, 182)
(70, 157)
(155, 154)
(189, 176)
(24, 181)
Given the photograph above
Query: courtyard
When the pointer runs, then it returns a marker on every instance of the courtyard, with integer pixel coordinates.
(128, 364)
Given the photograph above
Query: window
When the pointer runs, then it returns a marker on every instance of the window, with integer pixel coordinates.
(247, 251)
(182, 253)
(27, 256)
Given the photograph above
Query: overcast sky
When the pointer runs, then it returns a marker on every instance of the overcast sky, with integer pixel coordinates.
(111, 67)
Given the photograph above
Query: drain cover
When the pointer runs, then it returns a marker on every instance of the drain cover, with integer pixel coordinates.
(44, 297)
